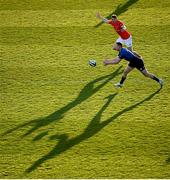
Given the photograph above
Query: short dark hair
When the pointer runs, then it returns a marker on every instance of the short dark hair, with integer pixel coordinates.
(114, 16)
(119, 44)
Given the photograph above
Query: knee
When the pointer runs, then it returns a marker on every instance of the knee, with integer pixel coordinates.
(125, 73)
(146, 75)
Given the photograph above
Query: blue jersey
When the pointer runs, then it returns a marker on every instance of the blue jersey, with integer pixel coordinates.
(127, 55)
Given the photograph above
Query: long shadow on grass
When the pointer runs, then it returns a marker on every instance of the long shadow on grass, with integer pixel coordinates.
(89, 90)
(64, 143)
(119, 10)
(168, 161)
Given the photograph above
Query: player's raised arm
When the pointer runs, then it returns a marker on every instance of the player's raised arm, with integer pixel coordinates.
(113, 61)
(99, 16)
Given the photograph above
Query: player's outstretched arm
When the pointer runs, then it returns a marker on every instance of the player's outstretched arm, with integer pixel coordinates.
(111, 62)
(99, 16)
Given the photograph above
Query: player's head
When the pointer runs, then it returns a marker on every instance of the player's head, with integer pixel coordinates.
(117, 46)
(114, 18)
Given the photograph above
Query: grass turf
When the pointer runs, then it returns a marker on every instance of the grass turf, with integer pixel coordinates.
(61, 118)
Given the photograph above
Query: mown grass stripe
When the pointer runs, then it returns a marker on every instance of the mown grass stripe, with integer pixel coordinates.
(59, 18)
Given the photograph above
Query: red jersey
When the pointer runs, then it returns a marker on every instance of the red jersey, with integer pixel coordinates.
(118, 26)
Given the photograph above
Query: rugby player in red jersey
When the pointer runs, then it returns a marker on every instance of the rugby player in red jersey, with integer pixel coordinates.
(124, 36)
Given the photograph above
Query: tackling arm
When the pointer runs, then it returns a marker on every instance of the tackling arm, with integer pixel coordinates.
(113, 61)
(98, 15)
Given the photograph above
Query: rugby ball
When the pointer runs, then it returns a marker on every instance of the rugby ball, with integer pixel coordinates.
(92, 62)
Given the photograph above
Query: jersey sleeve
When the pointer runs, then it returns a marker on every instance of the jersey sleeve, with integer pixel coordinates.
(110, 21)
(121, 54)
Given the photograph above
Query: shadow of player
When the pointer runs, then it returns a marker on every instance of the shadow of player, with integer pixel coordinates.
(119, 10)
(64, 143)
(85, 93)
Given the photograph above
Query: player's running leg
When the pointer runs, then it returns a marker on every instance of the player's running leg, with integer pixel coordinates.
(125, 73)
(152, 76)
(128, 43)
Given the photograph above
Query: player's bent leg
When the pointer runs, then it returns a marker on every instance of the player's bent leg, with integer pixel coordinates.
(147, 74)
(127, 70)
(152, 76)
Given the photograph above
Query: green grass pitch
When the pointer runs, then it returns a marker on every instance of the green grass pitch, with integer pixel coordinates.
(61, 118)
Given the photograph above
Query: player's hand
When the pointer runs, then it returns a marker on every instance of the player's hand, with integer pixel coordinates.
(98, 15)
(106, 62)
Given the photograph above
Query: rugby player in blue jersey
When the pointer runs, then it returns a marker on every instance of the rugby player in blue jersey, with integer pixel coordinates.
(135, 61)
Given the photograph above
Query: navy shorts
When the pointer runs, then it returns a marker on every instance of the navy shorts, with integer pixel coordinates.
(138, 64)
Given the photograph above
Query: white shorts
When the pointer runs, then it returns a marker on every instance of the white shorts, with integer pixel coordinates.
(127, 42)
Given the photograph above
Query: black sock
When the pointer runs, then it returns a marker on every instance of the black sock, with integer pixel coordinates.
(155, 78)
(122, 80)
